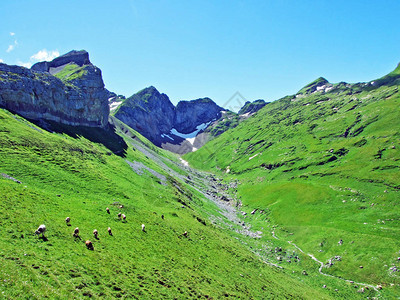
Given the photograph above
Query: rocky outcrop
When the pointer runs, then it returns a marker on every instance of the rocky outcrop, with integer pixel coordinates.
(252, 107)
(78, 100)
(153, 115)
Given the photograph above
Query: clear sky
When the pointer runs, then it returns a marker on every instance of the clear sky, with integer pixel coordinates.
(191, 49)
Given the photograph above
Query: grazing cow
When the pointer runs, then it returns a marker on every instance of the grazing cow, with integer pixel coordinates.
(41, 229)
(109, 231)
(76, 232)
(143, 228)
(89, 245)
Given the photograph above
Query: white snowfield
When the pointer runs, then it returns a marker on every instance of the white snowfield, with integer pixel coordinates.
(192, 134)
(114, 105)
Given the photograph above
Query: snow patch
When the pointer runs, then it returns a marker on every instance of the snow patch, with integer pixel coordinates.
(191, 140)
(184, 162)
(250, 158)
(192, 134)
(114, 105)
(324, 88)
(328, 89)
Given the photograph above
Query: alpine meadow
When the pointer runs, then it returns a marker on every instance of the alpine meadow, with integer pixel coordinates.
(192, 155)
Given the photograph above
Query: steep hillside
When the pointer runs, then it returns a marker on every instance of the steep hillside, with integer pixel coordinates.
(323, 167)
(46, 177)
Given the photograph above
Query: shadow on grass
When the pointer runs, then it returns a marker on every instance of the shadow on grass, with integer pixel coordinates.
(105, 136)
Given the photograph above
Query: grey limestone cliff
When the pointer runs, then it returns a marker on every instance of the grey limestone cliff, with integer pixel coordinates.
(79, 58)
(77, 97)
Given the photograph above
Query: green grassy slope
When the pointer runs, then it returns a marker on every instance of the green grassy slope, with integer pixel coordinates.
(71, 72)
(64, 176)
(324, 167)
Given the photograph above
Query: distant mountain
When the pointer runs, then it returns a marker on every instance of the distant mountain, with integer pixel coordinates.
(174, 128)
(67, 90)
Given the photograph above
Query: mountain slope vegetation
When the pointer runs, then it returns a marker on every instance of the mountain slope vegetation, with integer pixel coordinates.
(324, 166)
(48, 176)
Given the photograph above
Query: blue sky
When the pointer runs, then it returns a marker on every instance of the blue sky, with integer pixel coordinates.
(192, 49)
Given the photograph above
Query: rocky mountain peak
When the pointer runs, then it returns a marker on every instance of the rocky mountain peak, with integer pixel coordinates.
(153, 115)
(79, 58)
(150, 99)
(149, 112)
(75, 95)
(190, 114)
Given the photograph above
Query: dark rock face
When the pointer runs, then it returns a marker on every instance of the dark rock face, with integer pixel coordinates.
(39, 95)
(77, 57)
(154, 116)
(252, 107)
(148, 112)
(190, 114)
